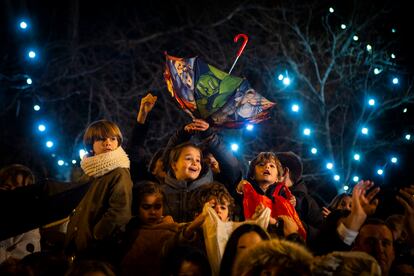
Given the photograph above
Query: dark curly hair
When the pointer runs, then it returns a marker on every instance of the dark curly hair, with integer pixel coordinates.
(203, 194)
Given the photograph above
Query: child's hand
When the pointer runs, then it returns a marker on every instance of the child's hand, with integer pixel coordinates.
(239, 188)
(325, 212)
(292, 201)
(197, 125)
(289, 225)
(194, 225)
(259, 209)
(147, 104)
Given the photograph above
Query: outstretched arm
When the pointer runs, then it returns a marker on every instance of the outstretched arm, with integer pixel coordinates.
(406, 199)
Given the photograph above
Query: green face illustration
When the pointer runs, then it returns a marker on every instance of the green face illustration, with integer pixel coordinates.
(208, 85)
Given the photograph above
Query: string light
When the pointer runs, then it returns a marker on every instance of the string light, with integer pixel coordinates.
(337, 177)
(31, 54)
(249, 127)
(380, 171)
(23, 25)
(394, 160)
(36, 107)
(295, 107)
(357, 156)
(355, 38)
(355, 178)
(234, 147)
(49, 144)
(307, 131)
(329, 166)
(61, 162)
(343, 26)
(371, 102)
(314, 150)
(395, 80)
(331, 10)
(364, 130)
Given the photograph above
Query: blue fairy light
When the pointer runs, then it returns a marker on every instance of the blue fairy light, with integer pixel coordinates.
(394, 159)
(234, 147)
(61, 162)
(357, 157)
(380, 171)
(314, 150)
(306, 131)
(371, 102)
(337, 177)
(395, 81)
(23, 25)
(36, 107)
(41, 127)
(249, 127)
(49, 144)
(329, 166)
(355, 178)
(377, 71)
(31, 54)
(295, 107)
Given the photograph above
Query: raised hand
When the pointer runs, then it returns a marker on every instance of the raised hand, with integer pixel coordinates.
(362, 205)
(147, 104)
(197, 125)
(406, 199)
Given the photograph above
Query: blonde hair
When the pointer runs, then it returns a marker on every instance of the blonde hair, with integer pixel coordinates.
(286, 257)
(99, 130)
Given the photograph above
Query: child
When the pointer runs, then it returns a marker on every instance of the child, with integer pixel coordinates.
(106, 207)
(264, 186)
(186, 172)
(215, 207)
(149, 233)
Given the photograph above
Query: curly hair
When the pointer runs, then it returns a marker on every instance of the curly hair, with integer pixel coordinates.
(206, 192)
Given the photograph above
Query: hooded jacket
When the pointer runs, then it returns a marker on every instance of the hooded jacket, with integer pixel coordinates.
(178, 194)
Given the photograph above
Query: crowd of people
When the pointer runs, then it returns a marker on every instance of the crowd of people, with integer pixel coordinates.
(192, 211)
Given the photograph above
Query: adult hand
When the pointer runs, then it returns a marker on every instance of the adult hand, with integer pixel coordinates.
(362, 205)
(406, 198)
(368, 203)
(147, 104)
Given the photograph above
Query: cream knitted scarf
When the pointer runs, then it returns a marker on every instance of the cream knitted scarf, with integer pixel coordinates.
(103, 163)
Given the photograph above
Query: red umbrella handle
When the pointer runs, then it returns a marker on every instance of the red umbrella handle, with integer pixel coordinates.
(236, 38)
(245, 40)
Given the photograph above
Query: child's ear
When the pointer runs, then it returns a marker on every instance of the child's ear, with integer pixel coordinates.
(174, 166)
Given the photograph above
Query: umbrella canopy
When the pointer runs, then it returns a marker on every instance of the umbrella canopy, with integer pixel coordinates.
(205, 92)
